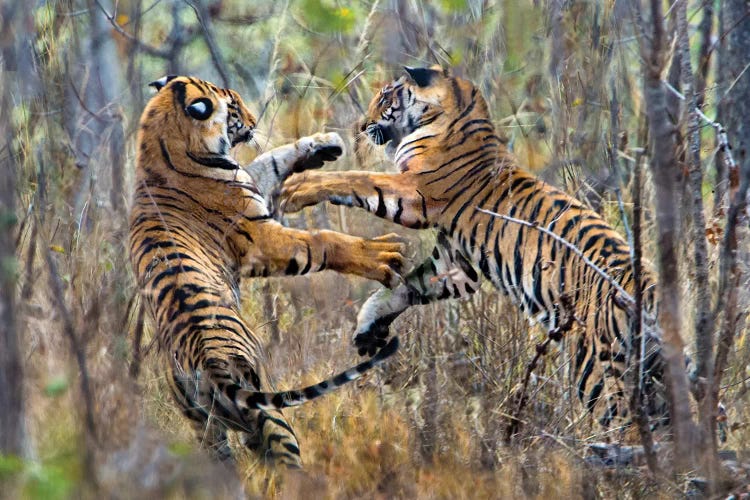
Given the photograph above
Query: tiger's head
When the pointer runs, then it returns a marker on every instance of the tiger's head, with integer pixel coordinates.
(424, 98)
(195, 118)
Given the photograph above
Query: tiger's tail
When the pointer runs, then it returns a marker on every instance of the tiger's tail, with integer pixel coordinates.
(216, 402)
(249, 399)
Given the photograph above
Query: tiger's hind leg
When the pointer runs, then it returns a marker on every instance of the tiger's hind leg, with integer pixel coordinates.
(194, 397)
(266, 433)
(274, 440)
(212, 436)
(446, 274)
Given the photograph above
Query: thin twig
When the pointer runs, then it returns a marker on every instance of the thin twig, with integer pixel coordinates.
(569, 318)
(637, 337)
(721, 134)
(148, 49)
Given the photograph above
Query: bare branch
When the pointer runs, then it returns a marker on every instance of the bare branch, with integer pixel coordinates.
(204, 19)
(79, 352)
(144, 47)
(704, 317)
(663, 162)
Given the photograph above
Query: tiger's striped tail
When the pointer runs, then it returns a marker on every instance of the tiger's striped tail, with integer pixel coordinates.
(248, 399)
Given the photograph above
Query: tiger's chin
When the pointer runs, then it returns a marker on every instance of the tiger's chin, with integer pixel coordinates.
(390, 149)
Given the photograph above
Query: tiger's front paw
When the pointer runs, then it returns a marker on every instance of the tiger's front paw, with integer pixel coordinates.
(384, 259)
(380, 259)
(317, 149)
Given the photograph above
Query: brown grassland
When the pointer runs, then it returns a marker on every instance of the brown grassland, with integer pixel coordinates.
(564, 83)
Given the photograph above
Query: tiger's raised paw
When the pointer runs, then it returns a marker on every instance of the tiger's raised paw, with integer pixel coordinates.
(317, 149)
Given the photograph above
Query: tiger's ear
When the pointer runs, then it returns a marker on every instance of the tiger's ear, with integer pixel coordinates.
(161, 82)
(424, 76)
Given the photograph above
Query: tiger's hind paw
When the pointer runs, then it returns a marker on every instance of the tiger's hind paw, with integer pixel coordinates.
(371, 340)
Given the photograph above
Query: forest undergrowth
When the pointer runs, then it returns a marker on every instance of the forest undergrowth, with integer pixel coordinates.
(564, 81)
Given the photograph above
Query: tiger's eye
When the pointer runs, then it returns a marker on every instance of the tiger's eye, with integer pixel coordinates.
(200, 109)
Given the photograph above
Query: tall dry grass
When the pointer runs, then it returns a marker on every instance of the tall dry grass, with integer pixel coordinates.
(430, 424)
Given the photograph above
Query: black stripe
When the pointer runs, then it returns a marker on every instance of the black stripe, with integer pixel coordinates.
(457, 94)
(482, 185)
(292, 267)
(277, 421)
(309, 261)
(424, 205)
(399, 211)
(586, 373)
(171, 271)
(214, 161)
(381, 211)
(473, 157)
(179, 94)
(466, 110)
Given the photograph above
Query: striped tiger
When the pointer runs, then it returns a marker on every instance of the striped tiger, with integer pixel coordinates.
(198, 224)
(457, 175)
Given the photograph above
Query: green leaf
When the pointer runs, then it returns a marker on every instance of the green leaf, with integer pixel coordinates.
(56, 387)
(48, 482)
(453, 5)
(10, 464)
(322, 16)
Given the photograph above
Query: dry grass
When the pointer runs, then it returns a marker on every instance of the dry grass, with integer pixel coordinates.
(430, 424)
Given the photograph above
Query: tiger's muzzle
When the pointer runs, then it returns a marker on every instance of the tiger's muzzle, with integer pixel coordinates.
(378, 134)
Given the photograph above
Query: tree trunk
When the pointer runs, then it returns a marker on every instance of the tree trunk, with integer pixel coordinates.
(666, 176)
(12, 428)
(734, 25)
(735, 80)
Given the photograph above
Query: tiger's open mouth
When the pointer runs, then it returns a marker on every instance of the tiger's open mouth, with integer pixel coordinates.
(244, 136)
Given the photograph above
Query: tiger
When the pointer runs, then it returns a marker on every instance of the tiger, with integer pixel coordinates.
(199, 222)
(456, 174)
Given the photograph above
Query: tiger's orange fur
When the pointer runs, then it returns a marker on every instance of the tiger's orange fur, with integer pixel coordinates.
(198, 224)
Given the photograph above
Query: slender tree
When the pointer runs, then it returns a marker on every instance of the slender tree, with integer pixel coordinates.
(12, 429)
(666, 174)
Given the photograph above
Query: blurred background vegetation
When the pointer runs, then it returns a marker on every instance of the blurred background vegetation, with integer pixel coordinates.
(87, 412)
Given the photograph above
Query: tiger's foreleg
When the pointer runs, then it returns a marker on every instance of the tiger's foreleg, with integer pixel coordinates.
(278, 250)
(394, 197)
(445, 274)
(270, 169)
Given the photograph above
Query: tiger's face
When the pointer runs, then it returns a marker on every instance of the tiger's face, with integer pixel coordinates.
(401, 107)
(207, 119)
